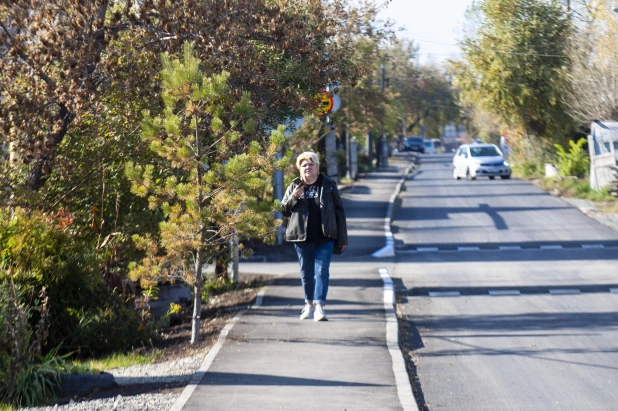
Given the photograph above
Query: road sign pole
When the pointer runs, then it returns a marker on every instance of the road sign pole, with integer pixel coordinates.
(331, 148)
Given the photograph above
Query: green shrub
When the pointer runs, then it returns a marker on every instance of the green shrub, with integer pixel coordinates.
(39, 380)
(215, 287)
(40, 248)
(42, 252)
(529, 168)
(27, 377)
(575, 162)
(113, 327)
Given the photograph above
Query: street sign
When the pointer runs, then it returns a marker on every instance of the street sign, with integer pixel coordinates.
(322, 103)
(336, 103)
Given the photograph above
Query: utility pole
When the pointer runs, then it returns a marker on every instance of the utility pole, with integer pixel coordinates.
(346, 142)
(279, 196)
(383, 153)
(330, 147)
(403, 130)
(370, 148)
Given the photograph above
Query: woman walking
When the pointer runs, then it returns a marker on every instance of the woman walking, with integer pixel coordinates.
(317, 227)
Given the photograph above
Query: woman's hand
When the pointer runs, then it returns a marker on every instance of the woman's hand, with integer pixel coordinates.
(298, 191)
(343, 247)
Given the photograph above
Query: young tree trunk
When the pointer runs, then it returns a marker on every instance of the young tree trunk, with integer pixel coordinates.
(197, 300)
(199, 258)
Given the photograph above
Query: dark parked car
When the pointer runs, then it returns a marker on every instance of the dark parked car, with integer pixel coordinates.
(413, 143)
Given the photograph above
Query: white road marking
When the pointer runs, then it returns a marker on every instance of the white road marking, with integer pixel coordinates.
(509, 247)
(562, 291)
(427, 249)
(389, 247)
(444, 294)
(500, 248)
(504, 292)
(404, 389)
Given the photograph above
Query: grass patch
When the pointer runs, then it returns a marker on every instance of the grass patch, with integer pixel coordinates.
(528, 169)
(118, 360)
(7, 407)
(576, 188)
(608, 206)
(345, 181)
(569, 187)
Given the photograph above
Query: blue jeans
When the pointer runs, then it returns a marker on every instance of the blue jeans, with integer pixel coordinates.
(314, 262)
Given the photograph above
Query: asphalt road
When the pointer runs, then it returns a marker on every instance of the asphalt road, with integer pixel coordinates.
(512, 295)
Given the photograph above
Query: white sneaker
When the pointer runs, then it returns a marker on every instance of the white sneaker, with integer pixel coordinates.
(319, 315)
(308, 311)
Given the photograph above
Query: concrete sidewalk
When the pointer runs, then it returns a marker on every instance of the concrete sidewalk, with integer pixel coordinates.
(267, 359)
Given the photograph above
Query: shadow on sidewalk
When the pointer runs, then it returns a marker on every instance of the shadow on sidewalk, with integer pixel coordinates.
(334, 282)
(224, 378)
(276, 301)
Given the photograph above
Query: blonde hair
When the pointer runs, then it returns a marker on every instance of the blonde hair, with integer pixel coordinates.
(310, 156)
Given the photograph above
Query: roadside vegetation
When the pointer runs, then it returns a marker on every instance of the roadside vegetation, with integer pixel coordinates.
(541, 87)
(572, 180)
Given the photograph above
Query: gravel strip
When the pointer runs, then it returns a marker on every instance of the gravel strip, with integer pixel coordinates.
(179, 371)
(143, 402)
(169, 371)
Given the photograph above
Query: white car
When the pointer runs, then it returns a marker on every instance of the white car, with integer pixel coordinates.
(430, 148)
(475, 160)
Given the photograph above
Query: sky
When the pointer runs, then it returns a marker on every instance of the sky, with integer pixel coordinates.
(435, 25)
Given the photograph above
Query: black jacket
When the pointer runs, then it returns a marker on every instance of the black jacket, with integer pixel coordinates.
(332, 213)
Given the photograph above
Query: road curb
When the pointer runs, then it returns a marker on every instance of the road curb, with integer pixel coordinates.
(389, 248)
(402, 380)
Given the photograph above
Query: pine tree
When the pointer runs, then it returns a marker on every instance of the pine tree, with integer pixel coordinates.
(214, 167)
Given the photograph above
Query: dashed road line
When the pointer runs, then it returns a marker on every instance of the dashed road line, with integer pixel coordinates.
(546, 247)
(498, 293)
(427, 249)
(513, 292)
(444, 294)
(564, 291)
(509, 247)
(551, 247)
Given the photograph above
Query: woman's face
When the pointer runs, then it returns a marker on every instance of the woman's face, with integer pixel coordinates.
(308, 171)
